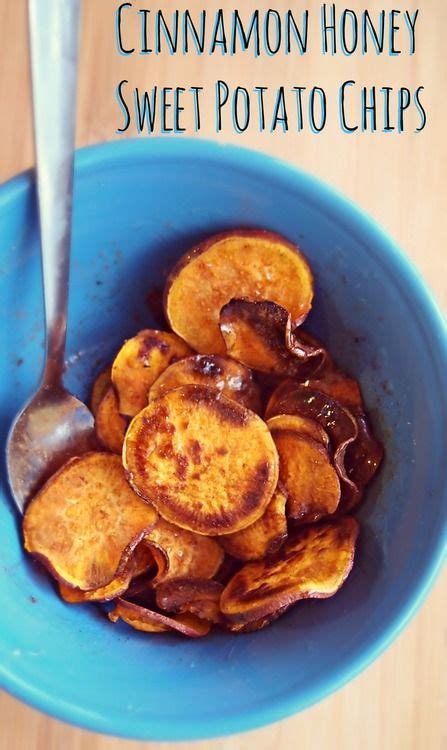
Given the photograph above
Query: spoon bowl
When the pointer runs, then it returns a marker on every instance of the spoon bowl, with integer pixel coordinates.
(52, 427)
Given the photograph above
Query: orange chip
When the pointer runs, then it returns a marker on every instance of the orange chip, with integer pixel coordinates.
(194, 595)
(183, 553)
(101, 384)
(226, 375)
(85, 522)
(104, 594)
(139, 563)
(208, 464)
(242, 263)
(314, 563)
(139, 363)
(264, 536)
(256, 333)
(110, 425)
(307, 474)
(148, 621)
(305, 426)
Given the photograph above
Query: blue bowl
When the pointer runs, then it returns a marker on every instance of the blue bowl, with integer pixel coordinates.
(138, 206)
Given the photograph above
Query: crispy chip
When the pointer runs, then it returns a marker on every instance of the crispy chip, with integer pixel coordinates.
(254, 625)
(144, 619)
(314, 563)
(229, 377)
(110, 425)
(139, 362)
(246, 263)
(183, 553)
(264, 536)
(311, 483)
(101, 384)
(104, 594)
(305, 426)
(140, 561)
(339, 386)
(197, 596)
(362, 460)
(207, 463)
(255, 333)
(338, 422)
(85, 522)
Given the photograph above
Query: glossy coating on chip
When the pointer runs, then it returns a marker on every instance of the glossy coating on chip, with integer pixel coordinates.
(227, 376)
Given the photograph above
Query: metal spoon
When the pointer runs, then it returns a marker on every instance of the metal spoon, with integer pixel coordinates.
(53, 425)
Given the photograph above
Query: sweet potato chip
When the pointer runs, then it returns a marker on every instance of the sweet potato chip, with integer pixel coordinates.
(110, 425)
(340, 387)
(314, 563)
(140, 561)
(254, 625)
(183, 552)
(139, 363)
(264, 536)
(104, 594)
(255, 333)
(305, 426)
(207, 463)
(194, 595)
(85, 522)
(308, 476)
(363, 458)
(338, 422)
(100, 386)
(144, 619)
(226, 375)
(243, 263)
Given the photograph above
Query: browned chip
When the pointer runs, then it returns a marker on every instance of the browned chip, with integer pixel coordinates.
(264, 536)
(85, 522)
(242, 263)
(101, 384)
(226, 375)
(194, 595)
(338, 422)
(140, 561)
(182, 552)
(362, 460)
(139, 362)
(255, 333)
(314, 563)
(339, 386)
(110, 425)
(104, 594)
(144, 619)
(307, 474)
(305, 426)
(254, 625)
(207, 463)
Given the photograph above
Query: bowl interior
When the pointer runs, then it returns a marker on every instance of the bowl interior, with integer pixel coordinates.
(138, 206)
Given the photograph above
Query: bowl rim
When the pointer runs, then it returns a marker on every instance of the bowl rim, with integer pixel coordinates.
(410, 282)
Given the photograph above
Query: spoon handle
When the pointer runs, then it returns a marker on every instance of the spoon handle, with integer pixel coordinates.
(54, 39)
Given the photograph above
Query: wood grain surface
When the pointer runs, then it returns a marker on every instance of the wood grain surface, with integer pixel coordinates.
(399, 703)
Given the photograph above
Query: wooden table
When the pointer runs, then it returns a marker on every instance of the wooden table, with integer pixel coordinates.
(397, 704)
